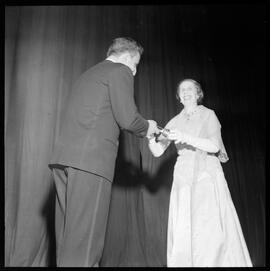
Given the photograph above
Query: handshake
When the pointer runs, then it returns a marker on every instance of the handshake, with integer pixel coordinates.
(160, 134)
(156, 131)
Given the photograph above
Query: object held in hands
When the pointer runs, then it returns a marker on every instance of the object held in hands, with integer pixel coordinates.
(163, 132)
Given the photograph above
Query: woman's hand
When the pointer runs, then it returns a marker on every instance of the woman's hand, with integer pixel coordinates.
(160, 137)
(177, 136)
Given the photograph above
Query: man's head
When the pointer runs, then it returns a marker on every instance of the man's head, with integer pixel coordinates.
(126, 51)
(122, 45)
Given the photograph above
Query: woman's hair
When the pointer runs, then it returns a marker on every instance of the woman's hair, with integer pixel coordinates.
(198, 87)
(124, 44)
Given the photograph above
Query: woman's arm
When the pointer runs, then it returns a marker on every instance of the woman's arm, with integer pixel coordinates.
(159, 144)
(157, 148)
(205, 144)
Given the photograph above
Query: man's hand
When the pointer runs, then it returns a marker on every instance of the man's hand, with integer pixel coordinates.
(152, 129)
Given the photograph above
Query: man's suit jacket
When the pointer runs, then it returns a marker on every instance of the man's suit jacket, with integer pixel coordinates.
(100, 104)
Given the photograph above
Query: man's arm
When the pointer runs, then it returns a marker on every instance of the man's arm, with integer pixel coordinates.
(121, 87)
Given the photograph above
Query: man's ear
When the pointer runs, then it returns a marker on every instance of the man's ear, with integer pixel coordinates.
(128, 56)
(124, 57)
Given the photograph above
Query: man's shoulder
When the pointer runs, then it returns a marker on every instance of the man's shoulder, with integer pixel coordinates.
(110, 67)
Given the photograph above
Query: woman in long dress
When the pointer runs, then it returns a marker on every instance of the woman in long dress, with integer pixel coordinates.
(203, 226)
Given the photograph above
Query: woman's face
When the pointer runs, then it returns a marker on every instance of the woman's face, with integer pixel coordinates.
(188, 93)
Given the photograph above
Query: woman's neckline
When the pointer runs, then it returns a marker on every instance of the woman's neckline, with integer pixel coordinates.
(189, 116)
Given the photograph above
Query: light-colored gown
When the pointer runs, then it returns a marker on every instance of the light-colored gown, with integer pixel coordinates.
(203, 226)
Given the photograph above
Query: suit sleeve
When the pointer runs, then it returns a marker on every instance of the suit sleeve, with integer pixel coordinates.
(121, 88)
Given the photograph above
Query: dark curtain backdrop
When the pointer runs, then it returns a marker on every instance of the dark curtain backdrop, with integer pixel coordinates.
(48, 47)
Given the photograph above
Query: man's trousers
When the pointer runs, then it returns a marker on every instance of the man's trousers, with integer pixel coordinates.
(81, 213)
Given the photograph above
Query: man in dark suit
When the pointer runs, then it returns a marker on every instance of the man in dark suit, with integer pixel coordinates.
(100, 105)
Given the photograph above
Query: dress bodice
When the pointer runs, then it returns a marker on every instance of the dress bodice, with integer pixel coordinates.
(203, 123)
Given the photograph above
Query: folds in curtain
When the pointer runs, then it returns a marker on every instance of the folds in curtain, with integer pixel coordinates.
(44, 51)
(47, 48)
